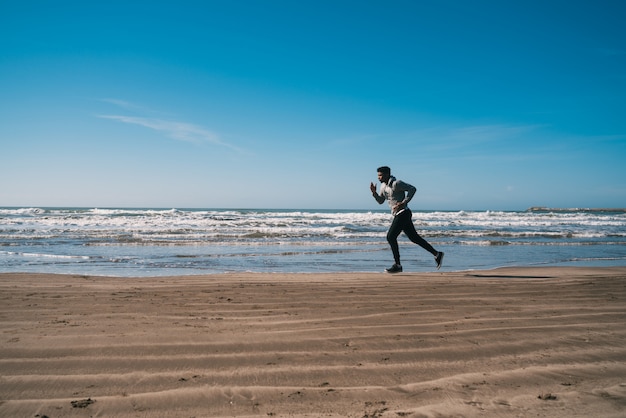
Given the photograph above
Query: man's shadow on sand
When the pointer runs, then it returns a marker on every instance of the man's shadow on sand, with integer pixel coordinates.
(502, 276)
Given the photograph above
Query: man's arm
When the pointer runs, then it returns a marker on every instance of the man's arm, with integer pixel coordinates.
(409, 189)
(380, 199)
(410, 192)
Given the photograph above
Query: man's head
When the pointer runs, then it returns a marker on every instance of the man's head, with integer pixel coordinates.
(384, 173)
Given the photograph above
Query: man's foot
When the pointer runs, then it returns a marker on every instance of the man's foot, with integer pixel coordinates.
(439, 259)
(396, 268)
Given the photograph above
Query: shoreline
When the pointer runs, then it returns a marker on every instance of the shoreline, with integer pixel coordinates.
(506, 342)
(152, 243)
(481, 272)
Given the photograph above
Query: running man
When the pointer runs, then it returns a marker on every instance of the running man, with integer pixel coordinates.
(399, 194)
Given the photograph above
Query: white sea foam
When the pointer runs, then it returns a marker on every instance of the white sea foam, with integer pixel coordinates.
(34, 221)
(191, 239)
(42, 255)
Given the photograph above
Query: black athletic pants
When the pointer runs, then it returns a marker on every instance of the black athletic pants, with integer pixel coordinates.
(403, 222)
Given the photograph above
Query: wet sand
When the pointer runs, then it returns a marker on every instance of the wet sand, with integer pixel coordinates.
(515, 342)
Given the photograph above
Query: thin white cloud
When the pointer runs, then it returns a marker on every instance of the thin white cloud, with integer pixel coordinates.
(484, 133)
(121, 103)
(444, 145)
(180, 131)
(175, 130)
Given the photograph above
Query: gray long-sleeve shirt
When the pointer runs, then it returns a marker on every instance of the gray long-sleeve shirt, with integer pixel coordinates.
(395, 191)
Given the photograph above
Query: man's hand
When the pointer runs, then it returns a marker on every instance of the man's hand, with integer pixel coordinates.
(373, 187)
(398, 207)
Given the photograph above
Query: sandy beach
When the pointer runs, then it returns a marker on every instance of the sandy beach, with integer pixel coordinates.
(523, 342)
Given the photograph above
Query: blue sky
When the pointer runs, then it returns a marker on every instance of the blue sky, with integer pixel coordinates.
(496, 105)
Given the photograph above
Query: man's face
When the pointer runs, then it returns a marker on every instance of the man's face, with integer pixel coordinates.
(383, 177)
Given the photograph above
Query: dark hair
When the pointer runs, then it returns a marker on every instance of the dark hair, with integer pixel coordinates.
(384, 169)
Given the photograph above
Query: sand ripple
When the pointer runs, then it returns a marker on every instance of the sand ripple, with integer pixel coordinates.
(502, 343)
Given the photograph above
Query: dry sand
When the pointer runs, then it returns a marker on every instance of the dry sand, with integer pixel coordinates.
(530, 342)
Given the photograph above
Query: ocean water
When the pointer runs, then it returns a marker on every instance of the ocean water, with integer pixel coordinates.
(161, 242)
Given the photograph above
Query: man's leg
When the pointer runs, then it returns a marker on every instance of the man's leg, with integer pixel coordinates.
(392, 238)
(409, 230)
